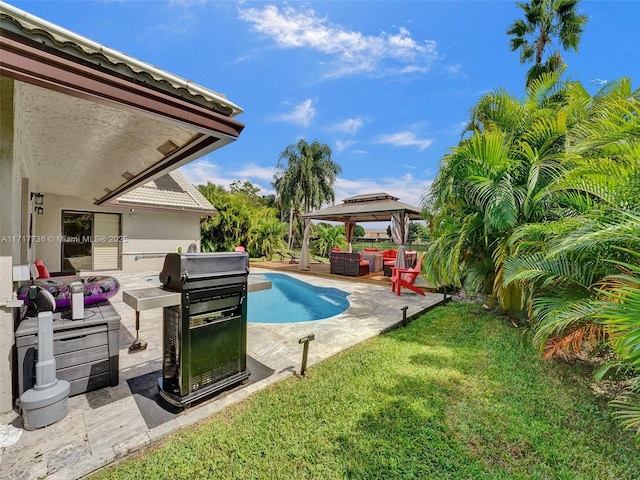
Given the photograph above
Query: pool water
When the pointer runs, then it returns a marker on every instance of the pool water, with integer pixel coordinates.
(292, 300)
(289, 300)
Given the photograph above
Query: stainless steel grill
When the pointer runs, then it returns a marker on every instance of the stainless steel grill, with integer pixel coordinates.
(205, 337)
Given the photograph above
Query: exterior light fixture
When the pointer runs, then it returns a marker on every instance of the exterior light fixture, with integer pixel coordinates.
(39, 198)
(38, 202)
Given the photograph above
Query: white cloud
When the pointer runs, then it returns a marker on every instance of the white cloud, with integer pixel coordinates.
(342, 146)
(405, 139)
(352, 52)
(257, 172)
(202, 171)
(349, 126)
(453, 70)
(599, 81)
(301, 115)
(407, 188)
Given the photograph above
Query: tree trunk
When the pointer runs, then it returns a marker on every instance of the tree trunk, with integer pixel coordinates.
(290, 242)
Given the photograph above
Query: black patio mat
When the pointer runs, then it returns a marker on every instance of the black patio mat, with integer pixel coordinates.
(156, 411)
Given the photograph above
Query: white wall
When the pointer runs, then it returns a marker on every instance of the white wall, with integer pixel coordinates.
(156, 233)
(146, 234)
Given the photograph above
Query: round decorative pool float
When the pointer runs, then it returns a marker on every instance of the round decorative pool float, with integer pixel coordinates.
(96, 289)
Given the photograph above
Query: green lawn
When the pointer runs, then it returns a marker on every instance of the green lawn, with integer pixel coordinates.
(456, 394)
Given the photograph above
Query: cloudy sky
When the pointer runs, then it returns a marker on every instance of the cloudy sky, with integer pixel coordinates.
(388, 85)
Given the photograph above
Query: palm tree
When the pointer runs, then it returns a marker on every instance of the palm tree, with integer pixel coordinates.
(288, 197)
(265, 236)
(305, 178)
(581, 272)
(328, 237)
(492, 182)
(546, 20)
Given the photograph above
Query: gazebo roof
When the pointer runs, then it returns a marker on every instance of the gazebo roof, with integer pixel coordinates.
(371, 207)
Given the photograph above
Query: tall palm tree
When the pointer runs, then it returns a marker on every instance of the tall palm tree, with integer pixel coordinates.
(288, 196)
(305, 178)
(545, 21)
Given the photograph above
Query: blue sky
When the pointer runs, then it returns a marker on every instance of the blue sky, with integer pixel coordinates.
(388, 85)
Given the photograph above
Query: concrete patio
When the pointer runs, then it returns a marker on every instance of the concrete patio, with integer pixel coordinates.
(105, 425)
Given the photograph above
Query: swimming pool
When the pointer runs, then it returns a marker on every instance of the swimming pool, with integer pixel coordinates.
(292, 300)
(289, 300)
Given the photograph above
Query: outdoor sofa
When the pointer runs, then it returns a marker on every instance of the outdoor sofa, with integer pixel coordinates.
(350, 264)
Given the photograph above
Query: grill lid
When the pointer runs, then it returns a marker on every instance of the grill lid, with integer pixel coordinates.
(199, 270)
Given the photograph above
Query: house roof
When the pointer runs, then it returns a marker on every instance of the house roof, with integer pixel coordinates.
(169, 192)
(372, 207)
(61, 39)
(117, 123)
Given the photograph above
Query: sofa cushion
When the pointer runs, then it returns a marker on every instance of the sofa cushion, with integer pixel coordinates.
(389, 253)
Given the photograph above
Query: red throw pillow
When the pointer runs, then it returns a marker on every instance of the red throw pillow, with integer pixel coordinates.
(42, 269)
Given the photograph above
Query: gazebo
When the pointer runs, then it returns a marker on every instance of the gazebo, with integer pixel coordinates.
(371, 207)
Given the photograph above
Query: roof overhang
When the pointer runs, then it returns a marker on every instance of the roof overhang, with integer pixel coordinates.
(97, 125)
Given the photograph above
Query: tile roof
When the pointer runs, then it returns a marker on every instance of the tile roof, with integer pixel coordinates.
(169, 192)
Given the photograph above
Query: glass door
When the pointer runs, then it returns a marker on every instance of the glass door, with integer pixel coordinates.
(90, 241)
(77, 229)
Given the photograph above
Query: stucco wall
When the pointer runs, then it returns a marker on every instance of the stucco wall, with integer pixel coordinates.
(152, 234)
(146, 234)
(10, 177)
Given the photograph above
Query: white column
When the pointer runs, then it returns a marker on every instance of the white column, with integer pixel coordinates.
(6, 335)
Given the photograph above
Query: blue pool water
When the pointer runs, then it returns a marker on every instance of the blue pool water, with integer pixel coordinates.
(292, 300)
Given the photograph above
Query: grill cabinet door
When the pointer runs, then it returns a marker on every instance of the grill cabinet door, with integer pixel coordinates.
(216, 330)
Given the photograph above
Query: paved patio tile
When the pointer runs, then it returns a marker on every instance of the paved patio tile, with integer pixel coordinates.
(107, 424)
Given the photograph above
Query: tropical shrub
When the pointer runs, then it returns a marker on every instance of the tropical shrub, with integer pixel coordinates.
(539, 209)
(327, 237)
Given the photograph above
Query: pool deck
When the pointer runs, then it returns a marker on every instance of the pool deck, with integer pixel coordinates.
(105, 425)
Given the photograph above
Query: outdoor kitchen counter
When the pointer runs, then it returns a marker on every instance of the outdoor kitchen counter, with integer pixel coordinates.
(155, 297)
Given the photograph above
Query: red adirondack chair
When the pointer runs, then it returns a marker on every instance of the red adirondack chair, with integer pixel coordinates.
(406, 277)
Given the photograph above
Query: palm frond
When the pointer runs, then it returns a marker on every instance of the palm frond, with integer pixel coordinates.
(628, 408)
(571, 342)
(557, 315)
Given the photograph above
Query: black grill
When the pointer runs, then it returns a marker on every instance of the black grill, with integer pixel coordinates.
(205, 337)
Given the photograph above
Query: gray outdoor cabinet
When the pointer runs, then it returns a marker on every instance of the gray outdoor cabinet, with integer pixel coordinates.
(85, 350)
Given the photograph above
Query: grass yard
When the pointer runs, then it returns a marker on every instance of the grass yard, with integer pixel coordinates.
(456, 394)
